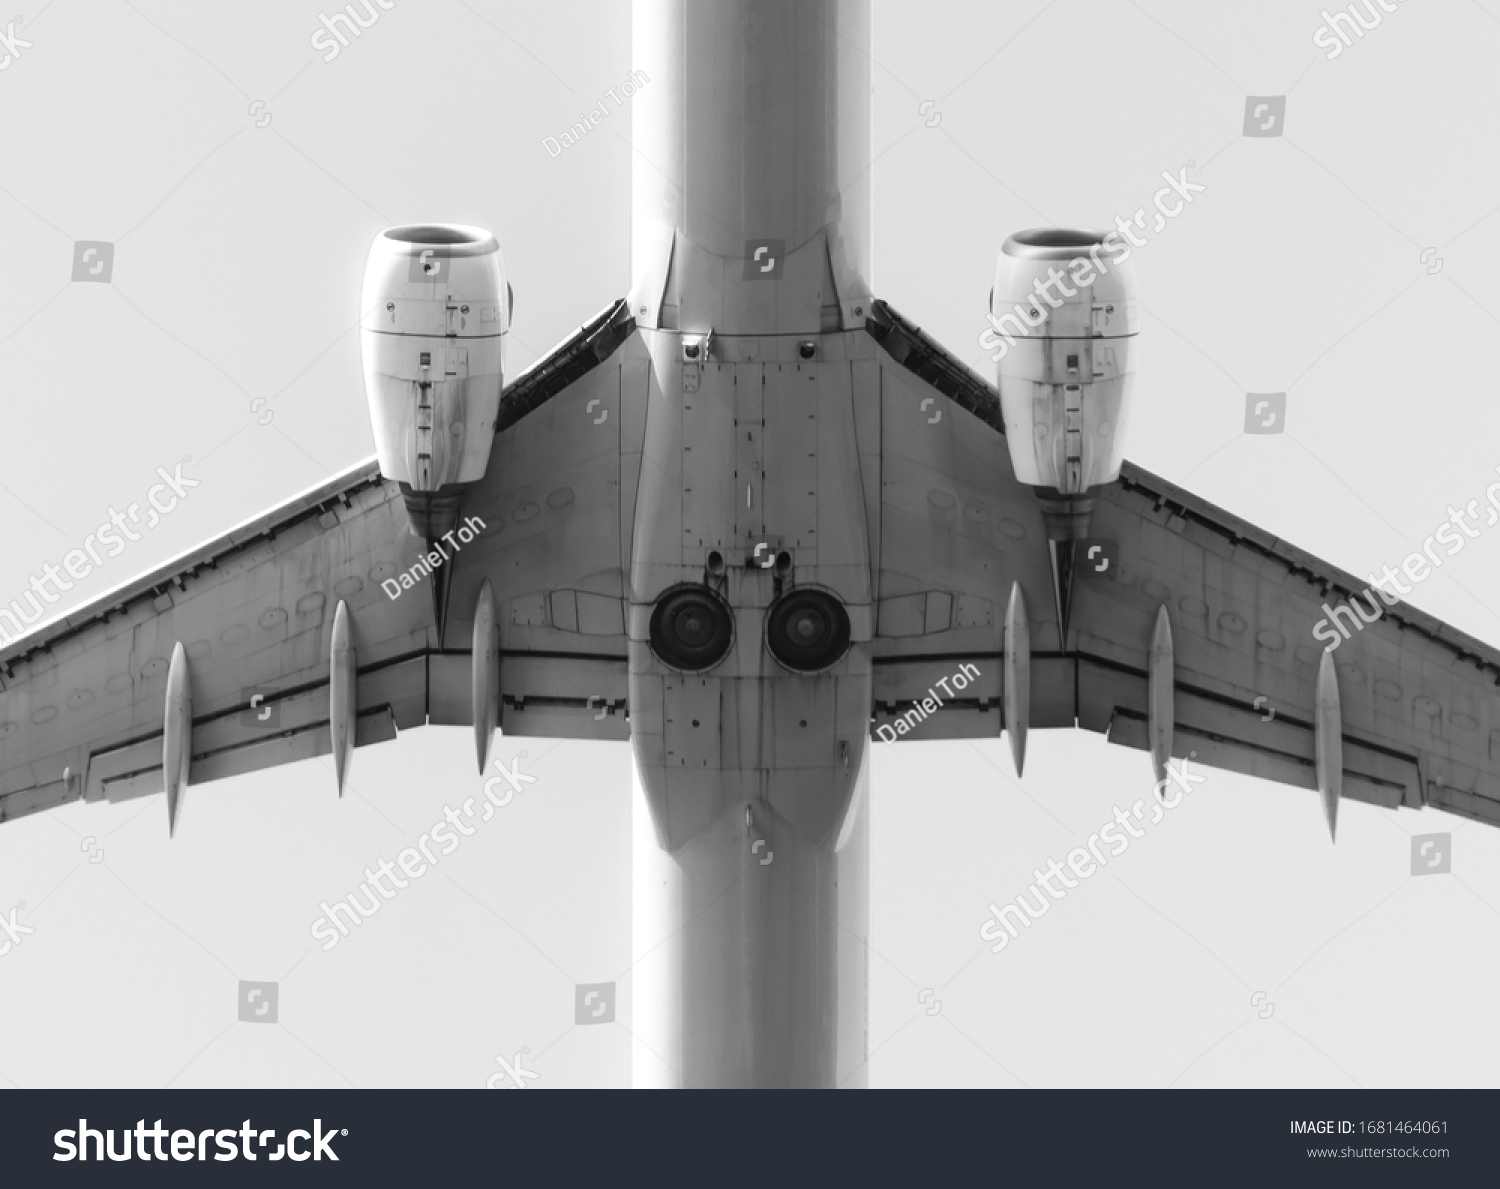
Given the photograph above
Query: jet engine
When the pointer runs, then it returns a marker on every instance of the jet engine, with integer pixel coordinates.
(1064, 306)
(1064, 316)
(435, 310)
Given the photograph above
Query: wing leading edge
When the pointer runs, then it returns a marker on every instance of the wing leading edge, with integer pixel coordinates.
(83, 700)
(1419, 719)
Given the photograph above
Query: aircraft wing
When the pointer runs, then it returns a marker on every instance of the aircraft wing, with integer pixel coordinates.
(1420, 718)
(951, 530)
(82, 699)
(558, 499)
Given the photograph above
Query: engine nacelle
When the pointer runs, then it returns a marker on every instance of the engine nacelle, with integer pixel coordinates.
(1064, 309)
(435, 310)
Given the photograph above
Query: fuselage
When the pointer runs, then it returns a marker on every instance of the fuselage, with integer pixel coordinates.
(750, 190)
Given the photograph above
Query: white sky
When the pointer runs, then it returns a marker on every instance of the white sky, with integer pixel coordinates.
(238, 258)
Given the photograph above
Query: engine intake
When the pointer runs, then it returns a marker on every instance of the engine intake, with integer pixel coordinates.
(434, 316)
(1064, 311)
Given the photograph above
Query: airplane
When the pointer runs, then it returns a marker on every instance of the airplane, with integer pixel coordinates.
(748, 518)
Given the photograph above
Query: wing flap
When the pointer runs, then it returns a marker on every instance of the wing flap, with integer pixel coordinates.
(921, 697)
(82, 699)
(567, 697)
(1232, 738)
(1418, 697)
(1420, 705)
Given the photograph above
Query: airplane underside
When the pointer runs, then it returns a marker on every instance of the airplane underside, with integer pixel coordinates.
(748, 518)
(750, 685)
